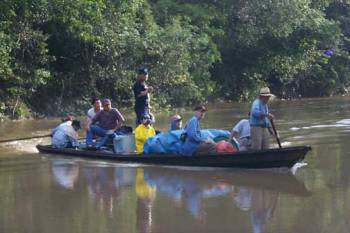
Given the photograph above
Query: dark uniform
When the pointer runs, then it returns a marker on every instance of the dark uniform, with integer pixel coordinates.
(141, 102)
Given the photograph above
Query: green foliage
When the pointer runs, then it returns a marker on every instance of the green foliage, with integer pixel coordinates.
(274, 43)
(23, 51)
(55, 55)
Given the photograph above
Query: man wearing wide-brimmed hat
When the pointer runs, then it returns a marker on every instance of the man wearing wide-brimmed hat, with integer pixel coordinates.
(260, 121)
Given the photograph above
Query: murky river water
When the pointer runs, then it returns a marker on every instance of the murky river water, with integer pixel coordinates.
(43, 193)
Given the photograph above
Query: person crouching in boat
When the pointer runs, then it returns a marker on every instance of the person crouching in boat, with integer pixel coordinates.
(65, 135)
(104, 124)
(241, 133)
(260, 121)
(175, 122)
(194, 143)
(143, 132)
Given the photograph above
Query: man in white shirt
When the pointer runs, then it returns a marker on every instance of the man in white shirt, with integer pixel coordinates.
(65, 135)
(241, 132)
(97, 106)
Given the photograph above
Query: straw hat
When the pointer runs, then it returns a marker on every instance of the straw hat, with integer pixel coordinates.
(265, 91)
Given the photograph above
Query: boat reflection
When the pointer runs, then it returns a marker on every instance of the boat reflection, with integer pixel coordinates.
(256, 192)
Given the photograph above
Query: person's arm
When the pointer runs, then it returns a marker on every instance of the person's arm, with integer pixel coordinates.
(138, 92)
(95, 119)
(88, 123)
(88, 119)
(237, 129)
(234, 134)
(193, 132)
(72, 136)
(143, 93)
(120, 120)
(256, 110)
(73, 141)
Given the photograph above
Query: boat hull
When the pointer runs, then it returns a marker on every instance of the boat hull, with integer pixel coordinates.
(272, 158)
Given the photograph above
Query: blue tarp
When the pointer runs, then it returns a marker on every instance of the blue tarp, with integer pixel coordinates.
(170, 143)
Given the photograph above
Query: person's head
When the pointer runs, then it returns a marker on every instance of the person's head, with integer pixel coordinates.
(176, 122)
(199, 111)
(142, 74)
(107, 104)
(146, 119)
(265, 94)
(69, 117)
(76, 125)
(96, 102)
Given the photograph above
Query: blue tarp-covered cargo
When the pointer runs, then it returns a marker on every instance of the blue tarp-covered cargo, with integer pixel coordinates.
(170, 143)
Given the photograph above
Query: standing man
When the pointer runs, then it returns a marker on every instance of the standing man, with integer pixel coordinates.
(104, 124)
(194, 143)
(260, 121)
(142, 95)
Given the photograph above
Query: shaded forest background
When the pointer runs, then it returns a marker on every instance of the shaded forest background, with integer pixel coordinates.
(55, 55)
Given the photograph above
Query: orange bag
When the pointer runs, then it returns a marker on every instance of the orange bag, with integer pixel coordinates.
(225, 147)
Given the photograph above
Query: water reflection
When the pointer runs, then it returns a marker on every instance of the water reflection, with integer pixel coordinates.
(65, 173)
(101, 187)
(256, 192)
(253, 193)
(260, 203)
(33, 200)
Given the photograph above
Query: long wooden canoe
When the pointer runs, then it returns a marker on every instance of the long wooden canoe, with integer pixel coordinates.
(272, 158)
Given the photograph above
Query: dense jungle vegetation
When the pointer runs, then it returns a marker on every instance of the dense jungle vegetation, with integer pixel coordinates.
(56, 54)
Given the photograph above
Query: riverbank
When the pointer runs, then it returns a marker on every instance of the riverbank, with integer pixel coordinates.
(80, 112)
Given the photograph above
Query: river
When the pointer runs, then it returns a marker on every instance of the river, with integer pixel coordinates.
(42, 193)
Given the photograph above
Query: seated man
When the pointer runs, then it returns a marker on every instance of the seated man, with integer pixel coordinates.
(104, 124)
(242, 131)
(194, 143)
(143, 132)
(65, 135)
(96, 102)
(175, 122)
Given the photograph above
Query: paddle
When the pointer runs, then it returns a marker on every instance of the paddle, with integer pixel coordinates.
(29, 138)
(25, 138)
(276, 135)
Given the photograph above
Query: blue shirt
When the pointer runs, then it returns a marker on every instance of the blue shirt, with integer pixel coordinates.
(243, 128)
(194, 136)
(258, 109)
